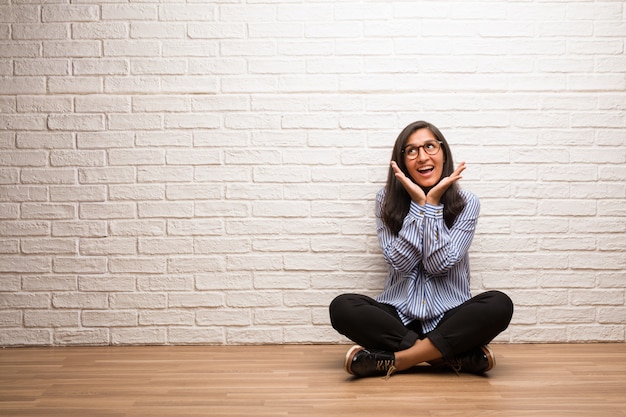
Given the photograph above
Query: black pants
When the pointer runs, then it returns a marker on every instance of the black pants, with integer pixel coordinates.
(374, 325)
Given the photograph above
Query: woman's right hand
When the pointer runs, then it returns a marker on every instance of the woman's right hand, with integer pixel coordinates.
(414, 190)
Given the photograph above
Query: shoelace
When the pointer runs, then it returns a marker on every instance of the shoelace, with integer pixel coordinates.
(456, 365)
(390, 371)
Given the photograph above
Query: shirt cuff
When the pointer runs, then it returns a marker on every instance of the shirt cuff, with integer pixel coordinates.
(416, 210)
(433, 211)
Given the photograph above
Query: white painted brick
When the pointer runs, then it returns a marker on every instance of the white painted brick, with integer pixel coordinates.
(165, 283)
(138, 300)
(190, 300)
(137, 227)
(131, 85)
(108, 318)
(165, 209)
(197, 227)
(80, 228)
(20, 49)
(151, 153)
(220, 244)
(193, 157)
(9, 246)
(114, 30)
(282, 317)
(20, 122)
(81, 337)
(224, 281)
(42, 67)
(109, 175)
(136, 121)
(194, 335)
(102, 103)
(106, 283)
(171, 317)
(194, 192)
(196, 265)
(90, 265)
(10, 319)
(170, 246)
(108, 246)
(25, 337)
(78, 193)
(148, 66)
(50, 319)
(254, 262)
(586, 333)
(48, 246)
(108, 211)
(48, 176)
(139, 336)
(224, 209)
(140, 157)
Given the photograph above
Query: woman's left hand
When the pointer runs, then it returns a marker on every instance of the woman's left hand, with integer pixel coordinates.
(435, 193)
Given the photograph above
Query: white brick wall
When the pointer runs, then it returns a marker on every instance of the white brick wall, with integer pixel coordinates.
(175, 173)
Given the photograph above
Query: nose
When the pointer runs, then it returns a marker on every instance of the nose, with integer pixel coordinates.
(421, 154)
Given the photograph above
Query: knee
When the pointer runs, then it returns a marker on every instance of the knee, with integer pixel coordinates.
(503, 307)
(340, 309)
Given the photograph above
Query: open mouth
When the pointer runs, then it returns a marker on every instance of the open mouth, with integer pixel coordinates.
(425, 170)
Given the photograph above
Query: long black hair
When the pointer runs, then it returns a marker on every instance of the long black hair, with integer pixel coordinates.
(397, 200)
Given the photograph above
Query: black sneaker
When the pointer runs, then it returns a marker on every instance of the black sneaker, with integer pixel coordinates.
(475, 361)
(361, 362)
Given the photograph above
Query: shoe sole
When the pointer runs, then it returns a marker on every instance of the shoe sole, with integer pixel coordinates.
(491, 358)
(349, 355)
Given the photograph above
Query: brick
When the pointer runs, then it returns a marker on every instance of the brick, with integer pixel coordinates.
(194, 335)
(101, 103)
(50, 319)
(100, 66)
(139, 336)
(25, 337)
(137, 228)
(48, 246)
(114, 283)
(109, 318)
(34, 67)
(170, 246)
(12, 301)
(108, 246)
(86, 265)
(195, 227)
(108, 211)
(113, 30)
(49, 283)
(78, 193)
(103, 140)
(82, 228)
(136, 192)
(138, 300)
(171, 317)
(81, 337)
(108, 175)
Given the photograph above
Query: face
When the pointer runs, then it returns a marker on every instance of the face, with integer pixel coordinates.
(426, 170)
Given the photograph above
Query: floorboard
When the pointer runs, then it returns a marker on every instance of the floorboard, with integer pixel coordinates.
(304, 380)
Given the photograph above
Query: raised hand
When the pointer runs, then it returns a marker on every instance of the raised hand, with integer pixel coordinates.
(414, 190)
(434, 195)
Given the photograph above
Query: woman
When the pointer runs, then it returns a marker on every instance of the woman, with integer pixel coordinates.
(425, 225)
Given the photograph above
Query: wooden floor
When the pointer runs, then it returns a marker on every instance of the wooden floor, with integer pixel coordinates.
(529, 380)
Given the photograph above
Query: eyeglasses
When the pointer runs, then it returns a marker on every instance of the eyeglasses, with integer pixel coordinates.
(431, 147)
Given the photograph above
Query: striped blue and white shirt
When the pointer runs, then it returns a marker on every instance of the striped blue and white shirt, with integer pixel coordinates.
(429, 271)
